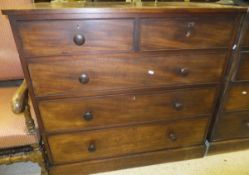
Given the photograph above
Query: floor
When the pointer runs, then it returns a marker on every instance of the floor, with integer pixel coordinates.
(236, 163)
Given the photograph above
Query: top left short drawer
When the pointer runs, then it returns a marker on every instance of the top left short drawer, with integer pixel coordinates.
(72, 37)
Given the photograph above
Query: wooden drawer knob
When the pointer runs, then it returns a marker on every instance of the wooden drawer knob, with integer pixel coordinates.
(84, 78)
(79, 39)
(178, 106)
(172, 136)
(183, 71)
(92, 147)
(88, 116)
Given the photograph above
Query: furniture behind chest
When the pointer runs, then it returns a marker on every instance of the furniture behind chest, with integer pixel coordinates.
(118, 85)
(231, 123)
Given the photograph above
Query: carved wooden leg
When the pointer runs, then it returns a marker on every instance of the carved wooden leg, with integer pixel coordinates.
(39, 158)
(42, 165)
(35, 156)
(43, 169)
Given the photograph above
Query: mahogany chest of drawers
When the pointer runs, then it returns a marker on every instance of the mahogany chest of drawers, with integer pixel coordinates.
(117, 86)
(231, 126)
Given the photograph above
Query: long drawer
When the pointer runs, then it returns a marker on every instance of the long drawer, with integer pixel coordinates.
(70, 37)
(97, 144)
(187, 33)
(232, 125)
(99, 112)
(237, 98)
(97, 73)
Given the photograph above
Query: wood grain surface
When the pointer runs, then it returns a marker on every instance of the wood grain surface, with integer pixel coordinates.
(56, 37)
(124, 71)
(107, 111)
(126, 140)
(232, 126)
(186, 33)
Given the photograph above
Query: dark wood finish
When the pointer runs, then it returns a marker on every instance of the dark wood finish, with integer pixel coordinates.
(232, 126)
(245, 37)
(237, 98)
(228, 146)
(124, 109)
(124, 71)
(108, 57)
(123, 8)
(243, 70)
(186, 33)
(58, 37)
(126, 140)
(84, 168)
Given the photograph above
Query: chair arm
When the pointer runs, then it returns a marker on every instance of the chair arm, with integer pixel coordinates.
(20, 98)
(20, 104)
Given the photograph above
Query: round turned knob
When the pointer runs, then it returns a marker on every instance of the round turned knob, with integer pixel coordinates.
(183, 71)
(178, 106)
(88, 116)
(79, 39)
(92, 147)
(83, 79)
(172, 136)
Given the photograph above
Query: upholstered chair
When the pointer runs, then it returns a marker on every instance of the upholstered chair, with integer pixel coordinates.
(19, 139)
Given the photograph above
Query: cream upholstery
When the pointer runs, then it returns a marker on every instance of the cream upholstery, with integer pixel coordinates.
(13, 131)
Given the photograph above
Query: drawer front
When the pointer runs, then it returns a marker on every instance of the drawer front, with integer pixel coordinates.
(233, 125)
(127, 140)
(238, 98)
(186, 33)
(124, 71)
(243, 70)
(245, 41)
(63, 37)
(85, 113)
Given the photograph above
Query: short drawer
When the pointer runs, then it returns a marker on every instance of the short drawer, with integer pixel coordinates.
(69, 37)
(232, 126)
(187, 33)
(97, 144)
(99, 73)
(101, 112)
(237, 98)
(243, 70)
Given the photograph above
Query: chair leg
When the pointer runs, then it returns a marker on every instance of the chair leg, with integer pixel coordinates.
(42, 165)
(35, 156)
(39, 158)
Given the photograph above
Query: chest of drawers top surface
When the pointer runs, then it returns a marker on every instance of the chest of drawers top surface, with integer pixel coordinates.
(120, 7)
